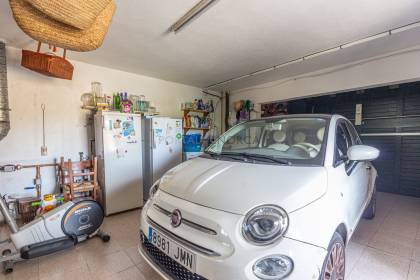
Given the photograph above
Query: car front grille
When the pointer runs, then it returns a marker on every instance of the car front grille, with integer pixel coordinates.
(169, 266)
(186, 222)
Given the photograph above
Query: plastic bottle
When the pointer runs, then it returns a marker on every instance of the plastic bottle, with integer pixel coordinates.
(49, 202)
(117, 101)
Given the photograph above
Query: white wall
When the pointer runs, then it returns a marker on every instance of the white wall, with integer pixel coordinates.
(388, 69)
(66, 131)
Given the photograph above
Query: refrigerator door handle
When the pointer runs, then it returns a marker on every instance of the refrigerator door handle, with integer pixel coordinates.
(153, 139)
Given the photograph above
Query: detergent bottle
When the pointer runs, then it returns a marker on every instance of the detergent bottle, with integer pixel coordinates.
(49, 202)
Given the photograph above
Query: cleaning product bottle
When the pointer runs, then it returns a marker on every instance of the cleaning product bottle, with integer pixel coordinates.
(125, 103)
(49, 202)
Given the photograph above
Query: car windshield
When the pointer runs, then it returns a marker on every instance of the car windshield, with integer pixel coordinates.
(284, 140)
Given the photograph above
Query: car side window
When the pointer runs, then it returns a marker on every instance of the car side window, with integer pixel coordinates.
(343, 142)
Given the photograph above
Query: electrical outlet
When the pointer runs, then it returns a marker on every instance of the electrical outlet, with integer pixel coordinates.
(44, 151)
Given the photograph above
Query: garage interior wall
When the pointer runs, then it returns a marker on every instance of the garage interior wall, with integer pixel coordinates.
(67, 125)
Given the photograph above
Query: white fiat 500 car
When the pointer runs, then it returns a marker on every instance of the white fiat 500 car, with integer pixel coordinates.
(270, 199)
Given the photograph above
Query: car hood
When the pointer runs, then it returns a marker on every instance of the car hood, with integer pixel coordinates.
(238, 187)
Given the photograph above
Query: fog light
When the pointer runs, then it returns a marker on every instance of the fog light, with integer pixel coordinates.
(273, 267)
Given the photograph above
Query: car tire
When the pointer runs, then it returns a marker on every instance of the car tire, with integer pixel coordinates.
(335, 262)
(370, 210)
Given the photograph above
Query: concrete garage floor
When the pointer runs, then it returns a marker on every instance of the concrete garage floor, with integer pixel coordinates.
(386, 248)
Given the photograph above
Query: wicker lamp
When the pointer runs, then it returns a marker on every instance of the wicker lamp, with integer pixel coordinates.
(80, 14)
(45, 29)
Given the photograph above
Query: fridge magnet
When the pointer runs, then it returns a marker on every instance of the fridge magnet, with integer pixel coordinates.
(117, 124)
(128, 129)
(120, 152)
(158, 132)
(169, 140)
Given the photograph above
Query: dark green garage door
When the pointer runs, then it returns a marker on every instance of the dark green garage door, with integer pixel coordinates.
(391, 122)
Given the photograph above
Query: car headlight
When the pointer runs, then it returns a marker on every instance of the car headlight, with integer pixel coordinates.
(265, 224)
(154, 189)
(273, 267)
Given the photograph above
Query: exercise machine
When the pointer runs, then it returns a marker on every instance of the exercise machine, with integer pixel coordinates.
(59, 229)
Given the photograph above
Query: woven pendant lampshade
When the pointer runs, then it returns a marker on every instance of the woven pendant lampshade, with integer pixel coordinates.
(77, 13)
(45, 29)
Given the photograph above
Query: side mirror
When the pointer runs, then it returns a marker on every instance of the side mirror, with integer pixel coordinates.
(362, 153)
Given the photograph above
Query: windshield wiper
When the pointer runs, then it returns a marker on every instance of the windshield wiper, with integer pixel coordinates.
(250, 156)
(234, 156)
(267, 157)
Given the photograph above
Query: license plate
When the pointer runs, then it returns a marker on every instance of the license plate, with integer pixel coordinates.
(172, 249)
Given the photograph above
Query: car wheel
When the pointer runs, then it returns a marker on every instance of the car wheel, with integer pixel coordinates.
(334, 267)
(370, 210)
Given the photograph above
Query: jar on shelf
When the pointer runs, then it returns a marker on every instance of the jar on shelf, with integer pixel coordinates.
(97, 92)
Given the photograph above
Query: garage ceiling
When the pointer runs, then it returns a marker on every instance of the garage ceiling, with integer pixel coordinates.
(233, 38)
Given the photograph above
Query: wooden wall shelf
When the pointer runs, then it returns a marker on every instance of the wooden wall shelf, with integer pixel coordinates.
(195, 128)
(186, 111)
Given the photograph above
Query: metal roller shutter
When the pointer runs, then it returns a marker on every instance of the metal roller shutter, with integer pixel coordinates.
(391, 122)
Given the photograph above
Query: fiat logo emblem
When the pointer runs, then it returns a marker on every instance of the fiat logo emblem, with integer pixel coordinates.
(176, 218)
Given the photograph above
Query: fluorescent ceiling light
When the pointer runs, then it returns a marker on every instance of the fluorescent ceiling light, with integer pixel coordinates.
(240, 78)
(288, 63)
(261, 71)
(321, 53)
(196, 10)
(365, 40)
(405, 28)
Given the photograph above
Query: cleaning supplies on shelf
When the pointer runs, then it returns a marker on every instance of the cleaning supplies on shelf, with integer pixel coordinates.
(116, 101)
(199, 105)
(126, 105)
(196, 121)
(192, 142)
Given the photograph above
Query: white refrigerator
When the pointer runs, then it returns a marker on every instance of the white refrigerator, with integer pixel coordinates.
(162, 148)
(119, 145)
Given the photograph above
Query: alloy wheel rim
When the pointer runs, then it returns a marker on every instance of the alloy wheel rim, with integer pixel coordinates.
(335, 267)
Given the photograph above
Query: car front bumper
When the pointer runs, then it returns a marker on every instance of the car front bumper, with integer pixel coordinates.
(307, 259)
(307, 265)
